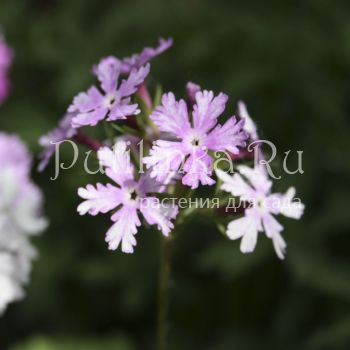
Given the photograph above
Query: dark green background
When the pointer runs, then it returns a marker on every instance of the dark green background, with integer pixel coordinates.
(290, 61)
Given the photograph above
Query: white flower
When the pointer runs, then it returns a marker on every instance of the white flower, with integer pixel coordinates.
(254, 187)
(20, 217)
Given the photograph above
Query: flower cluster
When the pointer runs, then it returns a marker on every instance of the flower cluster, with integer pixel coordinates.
(20, 218)
(6, 57)
(181, 139)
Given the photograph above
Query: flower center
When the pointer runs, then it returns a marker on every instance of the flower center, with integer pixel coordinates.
(261, 204)
(110, 100)
(195, 142)
(133, 194)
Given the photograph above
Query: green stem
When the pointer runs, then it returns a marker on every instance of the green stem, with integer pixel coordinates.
(163, 292)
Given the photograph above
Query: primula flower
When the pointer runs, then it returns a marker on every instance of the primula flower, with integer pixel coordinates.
(195, 134)
(114, 102)
(128, 197)
(147, 54)
(64, 131)
(254, 187)
(20, 217)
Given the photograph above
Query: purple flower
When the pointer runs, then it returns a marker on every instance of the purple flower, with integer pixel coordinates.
(64, 131)
(114, 102)
(6, 57)
(193, 138)
(138, 60)
(129, 198)
(254, 187)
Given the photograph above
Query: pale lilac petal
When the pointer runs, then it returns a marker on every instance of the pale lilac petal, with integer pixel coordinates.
(148, 184)
(291, 208)
(271, 225)
(148, 53)
(64, 131)
(245, 228)
(198, 168)
(136, 77)
(122, 110)
(165, 158)
(207, 109)
(157, 214)
(86, 101)
(274, 203)
(236, 185)
(280, 245)
(88, 107)
(257, 177)
(124, 229)
(117, 162)
(108, 71)
(249, 240)
(99, 199)
(273, 228)
(170, 210)
(237, 228)
(171, 116)
(249, 125)
(227, 137)
(89, 118)
(45, 157)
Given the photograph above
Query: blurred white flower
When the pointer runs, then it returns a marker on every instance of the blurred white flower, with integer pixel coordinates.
(20, 217)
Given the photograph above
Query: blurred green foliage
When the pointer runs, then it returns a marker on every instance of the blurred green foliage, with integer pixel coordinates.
(41, 343)
(290, 61)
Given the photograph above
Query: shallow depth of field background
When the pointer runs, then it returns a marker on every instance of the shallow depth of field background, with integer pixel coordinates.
(290, 61)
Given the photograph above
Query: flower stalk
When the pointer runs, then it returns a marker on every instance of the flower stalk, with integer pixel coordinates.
(87, 141)
(164, 292)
